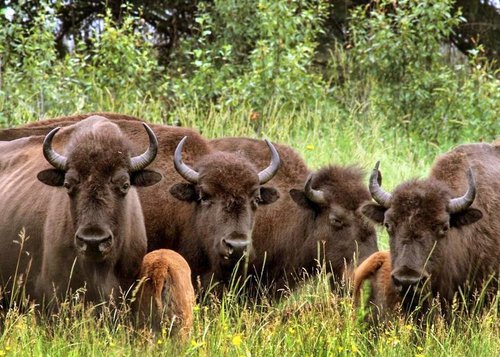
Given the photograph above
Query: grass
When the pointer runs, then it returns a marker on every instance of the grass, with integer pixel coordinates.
(311, 321)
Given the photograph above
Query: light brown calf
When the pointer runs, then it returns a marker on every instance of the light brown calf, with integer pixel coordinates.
(166, 294)
(377, 267)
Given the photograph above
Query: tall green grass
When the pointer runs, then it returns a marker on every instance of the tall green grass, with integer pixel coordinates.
(311, 322)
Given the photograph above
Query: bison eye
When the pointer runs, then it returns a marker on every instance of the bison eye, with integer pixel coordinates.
(123, 187)
(388, 227)
(205, 199)
(443, 229)
(338, 223)
(70, 187)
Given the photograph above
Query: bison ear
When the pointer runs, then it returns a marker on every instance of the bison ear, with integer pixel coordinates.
(466, 217)
(300, 198)
(268, 195)
(52, 177)
(374, 212)
(144, 178)
(184, 192)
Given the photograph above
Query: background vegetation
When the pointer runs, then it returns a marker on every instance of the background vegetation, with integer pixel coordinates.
(342, 84)
(392, 68)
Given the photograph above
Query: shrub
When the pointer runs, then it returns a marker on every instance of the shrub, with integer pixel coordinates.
(397, 49)
(247, 53)
(117, 69)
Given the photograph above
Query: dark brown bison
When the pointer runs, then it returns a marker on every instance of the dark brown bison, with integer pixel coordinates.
(166, 293)
(82, 219)
(317, 218)
(226, 191)
(444, 230)
(208, 219)
(377, 270)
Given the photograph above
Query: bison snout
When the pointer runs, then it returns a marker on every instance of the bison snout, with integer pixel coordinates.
(93, 242)
(235, 247)
(406, 279)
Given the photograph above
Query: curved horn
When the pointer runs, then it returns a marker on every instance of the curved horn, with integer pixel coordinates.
(140, 162)
(316, 196)
(184, 170)
(58, 161)
(269, 172)
(460, 203)
(378, 194)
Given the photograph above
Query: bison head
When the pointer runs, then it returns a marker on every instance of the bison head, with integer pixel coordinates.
(333, 197)
(226, 189)
(418, 216)
(97, 174)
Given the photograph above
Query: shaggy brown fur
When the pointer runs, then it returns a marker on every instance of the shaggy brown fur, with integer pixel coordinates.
(190, 219)
(460, 251)
(42, 127)
(167, 293)
(294, 235)
(377, 268)
(93, 203)
(227, 198)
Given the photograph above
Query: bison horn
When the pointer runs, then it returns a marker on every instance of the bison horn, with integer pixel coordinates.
(58, 161)
(379, 195)
(138, 163)
(184, 170)
(316, 196)
(460, 203)
(269, 172)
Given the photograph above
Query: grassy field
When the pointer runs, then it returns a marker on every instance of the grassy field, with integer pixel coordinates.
(311, 321)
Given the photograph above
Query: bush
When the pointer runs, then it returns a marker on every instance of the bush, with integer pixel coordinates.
(247, 53)
(117, 69)
(397, 49)
(249, 60)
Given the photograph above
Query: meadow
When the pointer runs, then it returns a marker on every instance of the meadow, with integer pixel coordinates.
(312, 321)
(368, 106)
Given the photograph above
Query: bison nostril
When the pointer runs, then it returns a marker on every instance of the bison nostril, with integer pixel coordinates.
(235, 246)
(228, 246)
(105, 243)
(405, 281)
(396, 281)
(96, 241)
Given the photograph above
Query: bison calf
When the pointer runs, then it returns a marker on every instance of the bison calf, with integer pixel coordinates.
(166, 292)
(377, 268)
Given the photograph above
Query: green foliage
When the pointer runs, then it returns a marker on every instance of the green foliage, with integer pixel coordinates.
(250, 53)
(393, 40)
(254, 60)
(120, 63)
(398, 49)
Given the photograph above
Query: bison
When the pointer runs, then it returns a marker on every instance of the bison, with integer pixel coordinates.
(226, 191)
(317, 218)
(377, 269)
(204, 207)
(444, 230)
(82, 219)
(166, 293)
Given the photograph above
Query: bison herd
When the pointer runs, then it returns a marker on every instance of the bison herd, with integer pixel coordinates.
(111, 204)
